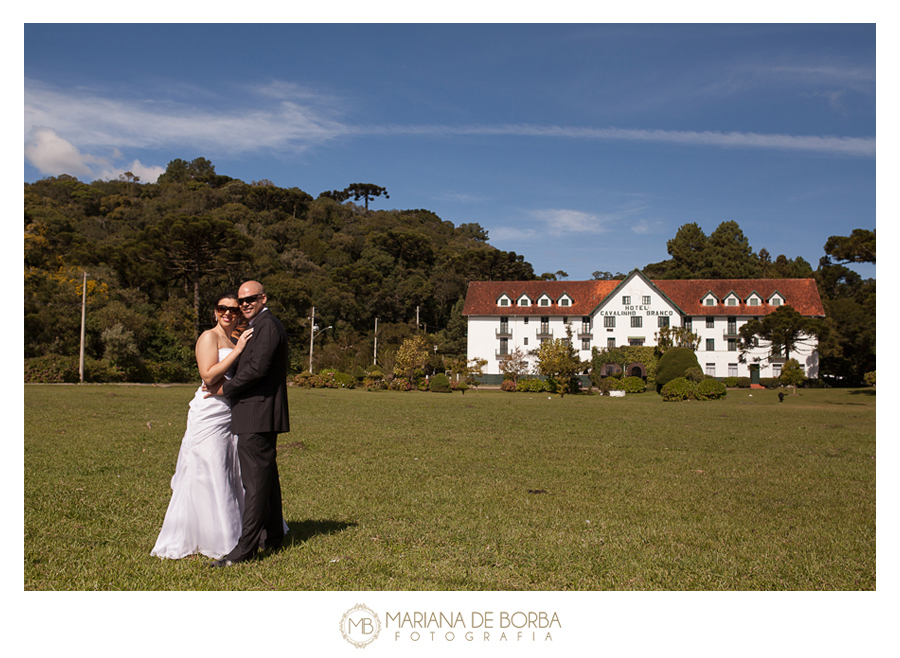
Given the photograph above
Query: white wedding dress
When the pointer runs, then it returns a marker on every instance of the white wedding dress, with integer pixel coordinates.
(204, 515)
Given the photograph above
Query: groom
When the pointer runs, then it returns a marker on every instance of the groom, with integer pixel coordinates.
(259, 412)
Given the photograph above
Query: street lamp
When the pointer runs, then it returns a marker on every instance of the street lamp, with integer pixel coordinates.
(315, 332)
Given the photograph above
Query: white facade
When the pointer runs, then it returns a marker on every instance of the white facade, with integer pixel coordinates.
(629, 312)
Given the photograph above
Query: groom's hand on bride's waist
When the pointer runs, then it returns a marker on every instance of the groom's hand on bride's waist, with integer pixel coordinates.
(212, 389)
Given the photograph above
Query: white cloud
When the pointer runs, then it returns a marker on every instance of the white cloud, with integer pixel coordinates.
(145, 173)
(93, 120)
(572, 221)
(51, 154)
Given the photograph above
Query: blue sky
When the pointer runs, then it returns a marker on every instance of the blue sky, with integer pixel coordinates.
(582, 147)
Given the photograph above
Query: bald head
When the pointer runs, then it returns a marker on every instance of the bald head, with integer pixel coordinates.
(252, 298)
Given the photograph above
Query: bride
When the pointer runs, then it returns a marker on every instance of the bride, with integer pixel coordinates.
(204, 514)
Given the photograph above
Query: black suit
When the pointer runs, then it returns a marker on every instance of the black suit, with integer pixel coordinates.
(259, 412)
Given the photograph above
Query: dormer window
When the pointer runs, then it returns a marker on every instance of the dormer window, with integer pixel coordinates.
(709, 301)
(545, 301)
(524, 301)
(565, 300)
(776, 299)
(754, 301)
(504, 301)
(732, 301)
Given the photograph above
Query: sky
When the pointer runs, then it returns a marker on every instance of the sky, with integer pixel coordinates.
(582, 147)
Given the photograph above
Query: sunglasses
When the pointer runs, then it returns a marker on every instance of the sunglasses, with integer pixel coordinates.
(248, 300)
(221, 308)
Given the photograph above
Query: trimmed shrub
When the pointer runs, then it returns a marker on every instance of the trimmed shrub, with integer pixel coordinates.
(679, 389)
(731, 382)
(461, 386)
(674, 364)
(508, 385)
(55, 369)
(531, 385)
(633, 385)
(440, 383)
(711, 389)
(743, 382)
(344, 380)
(770, 382)
(608, 384)
(694, 374)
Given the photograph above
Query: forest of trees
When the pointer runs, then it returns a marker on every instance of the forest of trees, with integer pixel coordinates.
(157, 254)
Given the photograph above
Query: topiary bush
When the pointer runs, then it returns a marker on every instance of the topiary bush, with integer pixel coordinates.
(608, 384)
(694, 374)
(679, 389)
(674, 364)
(731, 382)
(743, 382)
(633, 385)
(508, 385)
(711, 389)
(440, 383)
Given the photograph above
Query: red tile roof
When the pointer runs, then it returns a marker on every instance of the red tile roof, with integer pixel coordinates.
(687, 294)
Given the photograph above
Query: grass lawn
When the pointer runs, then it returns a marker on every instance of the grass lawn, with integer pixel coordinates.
(483, 491)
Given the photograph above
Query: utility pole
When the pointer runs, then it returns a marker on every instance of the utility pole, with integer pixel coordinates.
(83, 313)
(375, 352)
(312, 335)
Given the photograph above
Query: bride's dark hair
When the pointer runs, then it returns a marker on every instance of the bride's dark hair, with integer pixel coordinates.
(228, 294)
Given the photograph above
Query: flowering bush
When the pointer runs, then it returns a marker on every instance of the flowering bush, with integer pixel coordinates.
(508, 385)
(400, 384)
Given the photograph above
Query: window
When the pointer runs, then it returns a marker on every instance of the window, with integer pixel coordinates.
(565, 320)
(776, 370)
(545, 301)
(637, 321)
(545, 325)
(689, 324)
(504, 302)
(524, 302)
(710, 322)
(645, 300)
(732, 370)
(636, 342)
(526, 340)
(609, 321)
(626, 299)
(711, 369)
(710, 344)
(586, 344)
(525, 319)
(585, 325)
(732, 326)
(662, 321)
(504, 346)
(504, 325)
(754, 301)
(732, 301)
(776, 301)
(710, 301)
(564, 302)
(611, 343)
(732, 345)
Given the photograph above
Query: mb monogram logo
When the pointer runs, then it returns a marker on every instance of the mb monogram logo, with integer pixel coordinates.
(360, 626)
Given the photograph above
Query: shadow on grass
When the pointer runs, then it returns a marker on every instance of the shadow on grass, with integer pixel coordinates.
(863, 391)
(302, 531)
